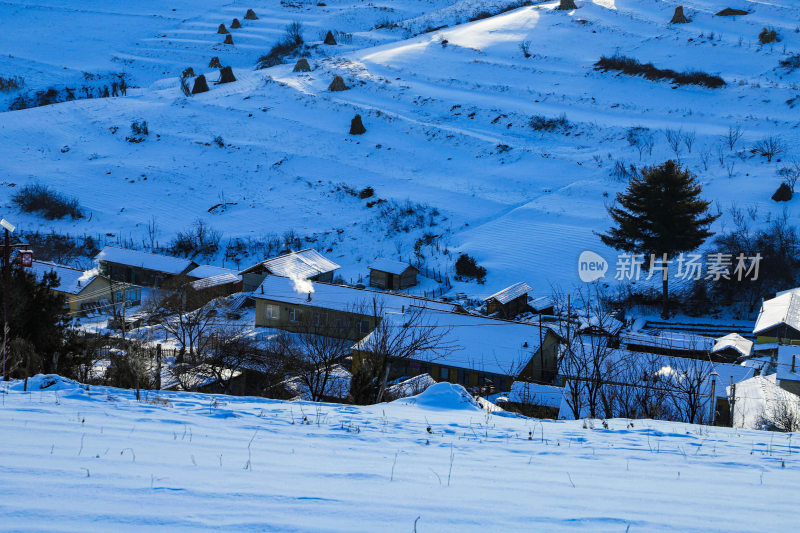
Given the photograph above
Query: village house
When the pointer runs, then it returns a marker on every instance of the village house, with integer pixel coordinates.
(509, 302)
(304, 264)
(788, 369)
(731, 347)
(392, 275)
(334, 310)
(206, 289)
(84, 290)
(779, 319)
(141, 268)
(481, 353)
(208, 271)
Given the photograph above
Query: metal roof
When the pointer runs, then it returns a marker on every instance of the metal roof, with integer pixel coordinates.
(783, 309)
(71, 280)
(510, 293)
(304, 264)
(390, 266)
(146, 260)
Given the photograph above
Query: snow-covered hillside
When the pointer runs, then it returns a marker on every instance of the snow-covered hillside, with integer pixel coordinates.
(447, 116)
(80, 459)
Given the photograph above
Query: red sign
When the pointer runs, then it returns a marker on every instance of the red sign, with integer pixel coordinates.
(26, 258)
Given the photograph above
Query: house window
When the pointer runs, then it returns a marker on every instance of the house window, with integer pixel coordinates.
(363, 326)
(273, 312)
(444, 373)
(292, 314)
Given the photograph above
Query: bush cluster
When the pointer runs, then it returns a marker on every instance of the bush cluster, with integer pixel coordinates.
(632, 67)
(50, 204)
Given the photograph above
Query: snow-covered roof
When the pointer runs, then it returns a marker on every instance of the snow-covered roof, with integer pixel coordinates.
(146, 260)
(510, 293)
(339, 297)
(215, 281)
(409, 387)
(304, 264)
(605, 323)
(735, 341)
(760, 399)
(786, 356)
(783, 309)
(476, 342)
(536, 394)
(207, 271)
(337, 385)
(390, 266)
(72, 280)
(668, 341)
(540, 303)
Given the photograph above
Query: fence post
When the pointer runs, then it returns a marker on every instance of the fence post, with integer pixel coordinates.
(158, 367)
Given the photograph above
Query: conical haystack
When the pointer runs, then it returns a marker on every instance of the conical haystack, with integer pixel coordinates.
(329, 38)
(222, 29)
(356, 126)
(302, 65)
(567, 4)
(783, 194)
(228, 39)
(235, 25)
(226, 75)
(200, 85)
(731, 12)
(250, 15)
(679, 17)
(188, 72)
(214, 63)
(337, 84)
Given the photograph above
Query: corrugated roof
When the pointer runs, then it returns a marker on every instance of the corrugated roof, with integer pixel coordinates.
(783, 309)
(339, 297)
(477, 342)
(304, 264)
(146, 260)
(390, 266)
(785, 356)
(735, 341)
(215, 281)
(207, 271)
(72, 280)
(510, 293)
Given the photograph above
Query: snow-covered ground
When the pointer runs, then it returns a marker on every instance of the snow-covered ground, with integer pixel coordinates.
(94, 459)
(446, 114)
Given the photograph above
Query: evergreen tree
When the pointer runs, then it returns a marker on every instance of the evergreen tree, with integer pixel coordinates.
(660, 214)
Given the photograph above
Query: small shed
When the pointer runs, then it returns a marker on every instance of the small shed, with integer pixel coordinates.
(392, 275)
(304, 264)
(509, 302)
(788, 373)
(731, 347)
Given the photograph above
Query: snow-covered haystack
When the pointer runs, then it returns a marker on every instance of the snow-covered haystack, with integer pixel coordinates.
(329, 38)
(222, 29)
(228, 39)
(337, 84)
(678, 17)
(236, 24)
(356, 126)
(200, 85)
(214, 63)
(250, 15)
(302, 65)
(226, 75)
(443, 396)
(567, 4)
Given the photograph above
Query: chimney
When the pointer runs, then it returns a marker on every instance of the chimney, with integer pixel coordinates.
(309, 296)
(793, 359)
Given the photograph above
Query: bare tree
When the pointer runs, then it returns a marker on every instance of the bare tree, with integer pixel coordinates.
(674, 140)
(177, 313)
(689, 383)
(781, 413)
(732, 137)
(688, 139)
(790, 174)
(397, 337)
(769, 147)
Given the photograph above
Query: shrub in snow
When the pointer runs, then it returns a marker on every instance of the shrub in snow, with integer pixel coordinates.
(769, 147)
(290, 42)
(188, 73)
(731, 12)
(542, 123)
(791, 63)
(768, 35)
(632, 67)
(214, 63)
(11, 84)
(52, 205)
(467, 267)
(366, 192)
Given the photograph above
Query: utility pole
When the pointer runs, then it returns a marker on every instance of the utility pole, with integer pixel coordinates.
(8, 228)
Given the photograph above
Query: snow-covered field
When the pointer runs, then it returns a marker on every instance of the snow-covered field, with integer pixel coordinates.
(80, 459)
(446, 114)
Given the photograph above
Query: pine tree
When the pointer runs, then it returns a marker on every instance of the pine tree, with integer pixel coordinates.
(660, 214)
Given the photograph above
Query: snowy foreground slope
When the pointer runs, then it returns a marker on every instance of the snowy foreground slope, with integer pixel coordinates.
(447, 117)
(73, 459)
